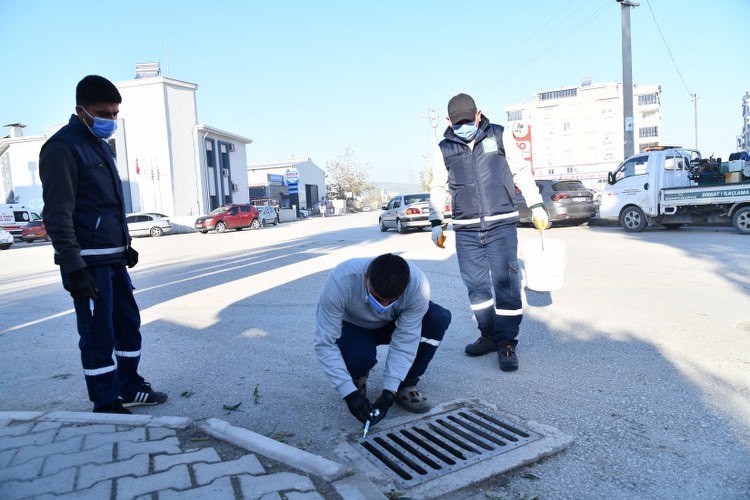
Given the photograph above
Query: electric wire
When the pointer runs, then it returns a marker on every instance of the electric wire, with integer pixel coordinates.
(667, 46)
(555, 43)
(511, 54)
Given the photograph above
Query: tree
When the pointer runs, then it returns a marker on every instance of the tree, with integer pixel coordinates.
(347, 178)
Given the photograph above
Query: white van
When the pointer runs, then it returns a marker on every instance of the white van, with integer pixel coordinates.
(14, 217)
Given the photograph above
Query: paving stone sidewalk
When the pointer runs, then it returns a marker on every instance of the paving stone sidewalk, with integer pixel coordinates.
(61, 455)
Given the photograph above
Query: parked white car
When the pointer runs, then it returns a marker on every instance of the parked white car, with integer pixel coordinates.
(147, 224)
(6, 239)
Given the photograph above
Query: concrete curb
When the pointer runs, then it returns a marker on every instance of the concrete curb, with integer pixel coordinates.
(95, 418)
(294, 457)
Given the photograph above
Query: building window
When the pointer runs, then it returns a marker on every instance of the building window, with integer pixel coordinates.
(646, 99)
(648, 131)
(514, 116)
(551, 171)
(557, 94)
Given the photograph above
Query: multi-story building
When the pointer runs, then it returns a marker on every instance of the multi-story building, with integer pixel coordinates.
(577, 132)
(168, 162)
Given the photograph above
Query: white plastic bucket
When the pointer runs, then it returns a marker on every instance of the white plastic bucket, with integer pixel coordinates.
(544, 269)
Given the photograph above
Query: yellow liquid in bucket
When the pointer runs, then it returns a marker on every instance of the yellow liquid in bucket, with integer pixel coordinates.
(544, 269)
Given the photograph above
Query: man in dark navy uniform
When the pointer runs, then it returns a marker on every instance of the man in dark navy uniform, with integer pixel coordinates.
(84, 215)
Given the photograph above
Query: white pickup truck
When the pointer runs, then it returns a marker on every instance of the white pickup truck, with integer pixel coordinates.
(674, 186)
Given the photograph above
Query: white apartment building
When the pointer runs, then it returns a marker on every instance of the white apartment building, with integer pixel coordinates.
(577, 132)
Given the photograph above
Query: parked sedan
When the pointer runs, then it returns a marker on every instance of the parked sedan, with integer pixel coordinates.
(565, 200)
(409, 211)
(33, 231)
(6, 239)
(147, 224)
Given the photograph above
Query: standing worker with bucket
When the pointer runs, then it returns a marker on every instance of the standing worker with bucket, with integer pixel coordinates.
(480, 173)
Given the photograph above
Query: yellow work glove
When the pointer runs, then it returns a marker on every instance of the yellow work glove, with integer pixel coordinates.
(540, 217)
(438, 237)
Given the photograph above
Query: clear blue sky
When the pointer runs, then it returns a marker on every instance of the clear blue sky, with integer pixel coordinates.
(309, 78)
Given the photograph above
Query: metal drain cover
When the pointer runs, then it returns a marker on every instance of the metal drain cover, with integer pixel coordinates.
(452, 439)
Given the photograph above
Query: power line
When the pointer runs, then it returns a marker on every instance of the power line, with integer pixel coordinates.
(556, 42)
(525, 43)
(667, 46)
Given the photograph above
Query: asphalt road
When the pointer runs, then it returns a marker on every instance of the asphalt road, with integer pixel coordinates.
(643, 356)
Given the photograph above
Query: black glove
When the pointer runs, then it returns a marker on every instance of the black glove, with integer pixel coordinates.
(381, 406)
(82, 284)
(358, 406)
(132, 256)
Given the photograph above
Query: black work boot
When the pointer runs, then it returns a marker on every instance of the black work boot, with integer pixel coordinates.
(482, 346)
(506, 356)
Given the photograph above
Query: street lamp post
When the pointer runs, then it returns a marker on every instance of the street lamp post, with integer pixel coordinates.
(627, 78)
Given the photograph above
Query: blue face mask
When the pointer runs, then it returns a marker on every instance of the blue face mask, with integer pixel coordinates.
(466, 131)
(377, 305)
(103, 128)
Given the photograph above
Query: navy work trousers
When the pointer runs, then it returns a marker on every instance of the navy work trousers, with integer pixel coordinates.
(113, 328)
(488, 261)
(359, 345)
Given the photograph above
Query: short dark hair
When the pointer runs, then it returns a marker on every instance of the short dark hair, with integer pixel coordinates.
(94, 89)
(388, 275)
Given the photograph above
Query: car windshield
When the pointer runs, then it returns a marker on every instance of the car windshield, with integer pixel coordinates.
(218, 211)
(416, 198)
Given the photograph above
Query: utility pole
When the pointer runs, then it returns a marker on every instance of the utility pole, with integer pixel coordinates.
(627, 77)
(695, 117)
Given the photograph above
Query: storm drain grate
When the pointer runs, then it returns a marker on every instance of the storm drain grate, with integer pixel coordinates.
(425, 449)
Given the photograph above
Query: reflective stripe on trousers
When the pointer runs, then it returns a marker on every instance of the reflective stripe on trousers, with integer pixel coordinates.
(488, 263)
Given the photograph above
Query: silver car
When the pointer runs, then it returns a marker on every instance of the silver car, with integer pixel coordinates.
(268, 215)
(409, 211)
(147, 224)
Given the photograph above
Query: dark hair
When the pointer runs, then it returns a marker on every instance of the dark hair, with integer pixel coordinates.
(388, 275)
(94, 89)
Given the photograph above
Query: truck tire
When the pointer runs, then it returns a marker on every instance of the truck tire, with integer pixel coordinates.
(633, 220)
(741, 220)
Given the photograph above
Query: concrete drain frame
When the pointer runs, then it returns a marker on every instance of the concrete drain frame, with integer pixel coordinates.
(452, 446)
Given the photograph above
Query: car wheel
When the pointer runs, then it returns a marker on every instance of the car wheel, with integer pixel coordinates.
(383, 228)
(221, 227)
(4, 247)
(203, 231)
(633, 220)
(29, 240)
(156, 231)
(400, 227)
(741, 220)
(673, 226)
(255, 224)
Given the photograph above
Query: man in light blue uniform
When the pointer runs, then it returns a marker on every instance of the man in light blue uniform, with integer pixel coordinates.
(369, 302)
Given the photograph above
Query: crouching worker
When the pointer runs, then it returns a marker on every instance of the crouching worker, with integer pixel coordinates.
(369, 302)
